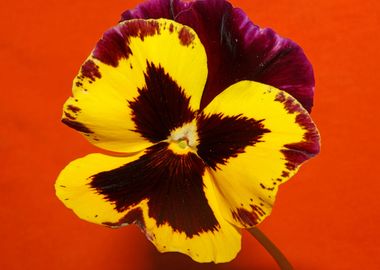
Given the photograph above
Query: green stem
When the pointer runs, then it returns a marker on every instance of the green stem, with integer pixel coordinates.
(281, 260)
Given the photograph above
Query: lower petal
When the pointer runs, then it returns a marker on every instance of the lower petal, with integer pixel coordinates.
(247, 182)
(219, 245)
(170, 197)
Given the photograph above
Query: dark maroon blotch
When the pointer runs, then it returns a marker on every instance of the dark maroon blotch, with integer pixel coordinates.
(289, 104)
(77, 126)
(114, 44)
(185, 36)
(172, 183)
(90, 70)
(69, 116)
(223, 137)
(285, 174)
(248, 218)
(161, 105)
(73, 108)
(297, 153)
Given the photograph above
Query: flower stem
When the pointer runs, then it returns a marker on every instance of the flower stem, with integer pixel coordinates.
(281, 260)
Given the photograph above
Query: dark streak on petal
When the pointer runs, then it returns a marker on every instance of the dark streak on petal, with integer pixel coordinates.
(223, 137)
(77, 126)
(134, 216)
(285, 174)
(172, 183)
(90, 70)
(73, 108)
(171, 28)
(226, 37)
(115, 42)
(297, 153)
(268, 63)
(248, 218)
(267, 188)
(161, 105)
(69, 116)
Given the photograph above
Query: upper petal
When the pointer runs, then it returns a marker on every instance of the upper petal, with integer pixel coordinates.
(236, 48)
(272, 135)
(139, 83)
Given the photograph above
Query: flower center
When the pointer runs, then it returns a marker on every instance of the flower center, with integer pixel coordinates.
(184, 139)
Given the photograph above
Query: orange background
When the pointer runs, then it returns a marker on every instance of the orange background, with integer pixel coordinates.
(327, 217)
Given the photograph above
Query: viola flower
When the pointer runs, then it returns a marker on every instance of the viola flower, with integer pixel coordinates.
(208, 115)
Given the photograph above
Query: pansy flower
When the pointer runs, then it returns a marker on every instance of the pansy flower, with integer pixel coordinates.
(207, 115)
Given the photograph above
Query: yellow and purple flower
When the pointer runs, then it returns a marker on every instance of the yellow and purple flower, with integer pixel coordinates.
(208, 114)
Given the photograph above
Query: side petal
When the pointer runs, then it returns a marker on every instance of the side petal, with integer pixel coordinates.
(248, 179)
(73, 188)
(168, 196)
(236, 48)
(140, 72)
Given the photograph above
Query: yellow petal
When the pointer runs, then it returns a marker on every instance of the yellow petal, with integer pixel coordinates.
(140, 72)
(219, 245)
(247, 181)
(74, 190)
(170, 197)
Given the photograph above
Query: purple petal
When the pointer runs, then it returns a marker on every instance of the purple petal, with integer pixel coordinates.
(236, 48)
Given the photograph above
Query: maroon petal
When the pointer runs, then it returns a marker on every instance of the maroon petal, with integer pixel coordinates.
(236, 48)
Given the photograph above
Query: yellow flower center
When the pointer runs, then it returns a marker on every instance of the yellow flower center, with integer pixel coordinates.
(184, 139)
(183, 143)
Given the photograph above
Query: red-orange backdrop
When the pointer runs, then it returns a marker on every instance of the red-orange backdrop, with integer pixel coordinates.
(327, 217)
